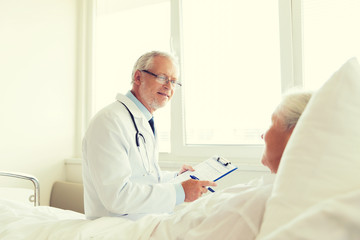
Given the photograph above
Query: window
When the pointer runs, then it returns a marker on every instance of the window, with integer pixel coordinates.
(330, 37)
(237, 57)
(231, 70)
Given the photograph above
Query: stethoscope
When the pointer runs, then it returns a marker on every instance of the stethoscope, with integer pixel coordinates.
(139, 135)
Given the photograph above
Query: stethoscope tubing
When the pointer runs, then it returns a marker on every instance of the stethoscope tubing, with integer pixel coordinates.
(137, 141)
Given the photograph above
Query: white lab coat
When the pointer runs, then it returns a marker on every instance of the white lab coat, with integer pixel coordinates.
(117, 180)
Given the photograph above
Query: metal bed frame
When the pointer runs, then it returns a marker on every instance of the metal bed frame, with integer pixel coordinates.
(34, 198)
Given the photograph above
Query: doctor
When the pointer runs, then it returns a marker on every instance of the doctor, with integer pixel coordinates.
(121, 173)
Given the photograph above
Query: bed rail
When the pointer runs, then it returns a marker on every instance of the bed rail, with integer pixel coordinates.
(36, 197)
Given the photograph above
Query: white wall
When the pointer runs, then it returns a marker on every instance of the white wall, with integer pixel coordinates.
(38, 76)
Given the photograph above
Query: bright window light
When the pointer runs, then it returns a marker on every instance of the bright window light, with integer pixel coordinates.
(330, 37)
(231, 69)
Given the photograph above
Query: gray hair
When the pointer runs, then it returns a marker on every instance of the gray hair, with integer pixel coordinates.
(292, 106)
(146, 60)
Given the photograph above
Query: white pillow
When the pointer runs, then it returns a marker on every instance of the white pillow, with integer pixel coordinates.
(322, 158)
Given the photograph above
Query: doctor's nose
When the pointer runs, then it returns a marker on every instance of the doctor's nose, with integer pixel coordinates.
(168, 85)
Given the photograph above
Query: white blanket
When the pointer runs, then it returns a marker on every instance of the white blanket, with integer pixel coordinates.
(234, 213)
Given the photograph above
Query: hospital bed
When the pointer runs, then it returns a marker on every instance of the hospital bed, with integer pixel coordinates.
(212, 217)
(314, 195)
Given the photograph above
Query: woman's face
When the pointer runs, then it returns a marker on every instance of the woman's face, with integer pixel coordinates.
(276, 138)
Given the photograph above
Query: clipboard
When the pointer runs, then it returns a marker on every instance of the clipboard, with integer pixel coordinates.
(212, 169)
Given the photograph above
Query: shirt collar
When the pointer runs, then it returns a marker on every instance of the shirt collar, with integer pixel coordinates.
(142, 108)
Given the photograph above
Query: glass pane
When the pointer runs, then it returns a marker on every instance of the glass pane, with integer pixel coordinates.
(330, 37)
(122, 37)
(231, 69)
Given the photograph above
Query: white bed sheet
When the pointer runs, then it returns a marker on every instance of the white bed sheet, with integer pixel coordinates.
(18, 221)
(233, 213)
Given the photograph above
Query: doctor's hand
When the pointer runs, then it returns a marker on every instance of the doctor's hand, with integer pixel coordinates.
(195, 188)
(185, 168)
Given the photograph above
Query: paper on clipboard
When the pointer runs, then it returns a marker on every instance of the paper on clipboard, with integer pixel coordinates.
(211, 169)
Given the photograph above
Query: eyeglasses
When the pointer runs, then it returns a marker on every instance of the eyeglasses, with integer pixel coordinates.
(163, 79)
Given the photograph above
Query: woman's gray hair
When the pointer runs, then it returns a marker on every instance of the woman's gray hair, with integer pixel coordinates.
(292, 106)
(146, 60)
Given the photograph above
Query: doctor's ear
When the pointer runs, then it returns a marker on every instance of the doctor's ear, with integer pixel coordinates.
(137, 77)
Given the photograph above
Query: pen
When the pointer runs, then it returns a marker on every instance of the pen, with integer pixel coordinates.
(194, 177)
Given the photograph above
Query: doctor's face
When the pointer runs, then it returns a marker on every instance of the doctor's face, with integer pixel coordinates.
(152, 93)
(276, 138)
